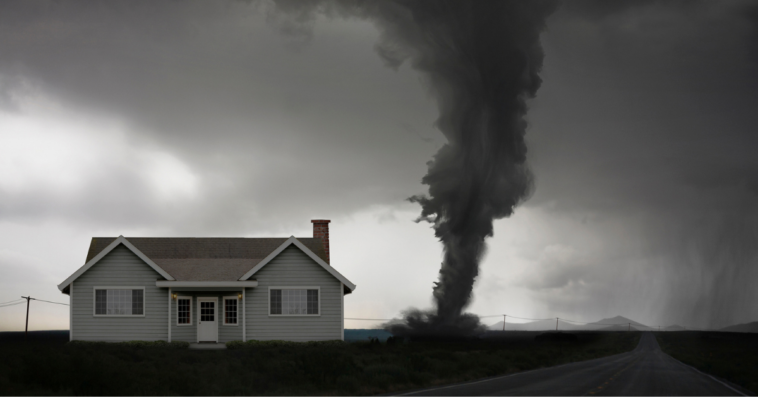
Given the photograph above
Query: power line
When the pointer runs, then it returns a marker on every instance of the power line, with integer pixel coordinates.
(28, 300)
(494, 315)
(24, 301)
(26, 330)
(17, 300)
(532, 319)
(580, 322)
(57, 303)
(13, 304)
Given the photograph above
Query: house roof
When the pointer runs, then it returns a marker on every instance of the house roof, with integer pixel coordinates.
(205, 259)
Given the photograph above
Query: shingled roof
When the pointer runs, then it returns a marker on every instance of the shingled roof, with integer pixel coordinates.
(205, 259)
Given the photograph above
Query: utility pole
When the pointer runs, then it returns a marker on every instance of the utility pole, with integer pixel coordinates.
(504, 317)
(26, 331)
(556, 324)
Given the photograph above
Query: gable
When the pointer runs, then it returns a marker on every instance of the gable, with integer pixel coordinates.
(293, 264)
(292, 242)
(119, 266)
(120, 241)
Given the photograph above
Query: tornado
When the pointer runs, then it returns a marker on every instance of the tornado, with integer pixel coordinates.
(481, 60)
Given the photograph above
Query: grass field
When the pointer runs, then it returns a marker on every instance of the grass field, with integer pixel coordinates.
(731, 356)
(45, 366)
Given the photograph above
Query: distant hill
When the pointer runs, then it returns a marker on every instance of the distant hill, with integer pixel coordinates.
(543, 325)
(619, 320)
(748, 327)
(675, 328)
(606, 324)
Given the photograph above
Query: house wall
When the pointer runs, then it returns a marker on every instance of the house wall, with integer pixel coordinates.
(293, 268)
(120, 267)
(188, 333)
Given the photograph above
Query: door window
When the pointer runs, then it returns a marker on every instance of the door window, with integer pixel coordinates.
(207, 311)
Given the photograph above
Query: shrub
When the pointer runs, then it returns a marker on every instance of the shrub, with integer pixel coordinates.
(235, 344)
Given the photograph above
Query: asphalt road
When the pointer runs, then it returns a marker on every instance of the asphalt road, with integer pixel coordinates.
(646, 371)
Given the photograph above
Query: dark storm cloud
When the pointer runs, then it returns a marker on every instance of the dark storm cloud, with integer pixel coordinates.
(647, 116)
(599, 9)
(214, 85)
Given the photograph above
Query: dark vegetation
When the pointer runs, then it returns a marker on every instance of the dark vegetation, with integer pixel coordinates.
(48, 364)
(727, 355)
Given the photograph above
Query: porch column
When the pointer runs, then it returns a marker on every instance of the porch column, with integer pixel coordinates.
(244, 339)
(169, 315)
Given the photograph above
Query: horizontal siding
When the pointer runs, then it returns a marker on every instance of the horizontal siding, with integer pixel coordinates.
(120, 268)
(293, 268)
(188, 333)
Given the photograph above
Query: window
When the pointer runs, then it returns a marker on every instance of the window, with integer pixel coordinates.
(294, 301)
(207, 311)
(119, 301)
(230, 310)
(183, 310)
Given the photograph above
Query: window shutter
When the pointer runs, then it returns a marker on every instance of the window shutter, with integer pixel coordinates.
(312, 301)
(276, 301)
(137, 302)
(101, 301)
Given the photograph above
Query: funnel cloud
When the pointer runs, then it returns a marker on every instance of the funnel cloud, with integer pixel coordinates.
(481, 60)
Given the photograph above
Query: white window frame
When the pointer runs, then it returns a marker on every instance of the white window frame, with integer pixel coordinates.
(223, 311)
(268, 298)
(94, 302)
(189, 324)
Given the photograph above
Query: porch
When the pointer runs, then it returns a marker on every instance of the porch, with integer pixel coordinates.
(207, 314)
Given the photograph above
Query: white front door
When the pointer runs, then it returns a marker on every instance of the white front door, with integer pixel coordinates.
(207, 320)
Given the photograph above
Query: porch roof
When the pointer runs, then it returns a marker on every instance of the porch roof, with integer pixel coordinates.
(206, 285)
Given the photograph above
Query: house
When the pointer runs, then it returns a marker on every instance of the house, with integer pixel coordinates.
(208, 289)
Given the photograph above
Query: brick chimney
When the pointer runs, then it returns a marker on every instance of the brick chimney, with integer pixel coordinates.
(321, 230)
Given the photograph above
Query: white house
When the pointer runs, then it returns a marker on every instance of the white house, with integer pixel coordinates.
(208, 289)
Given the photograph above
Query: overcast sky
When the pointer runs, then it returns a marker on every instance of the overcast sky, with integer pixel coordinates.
(163, 119)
